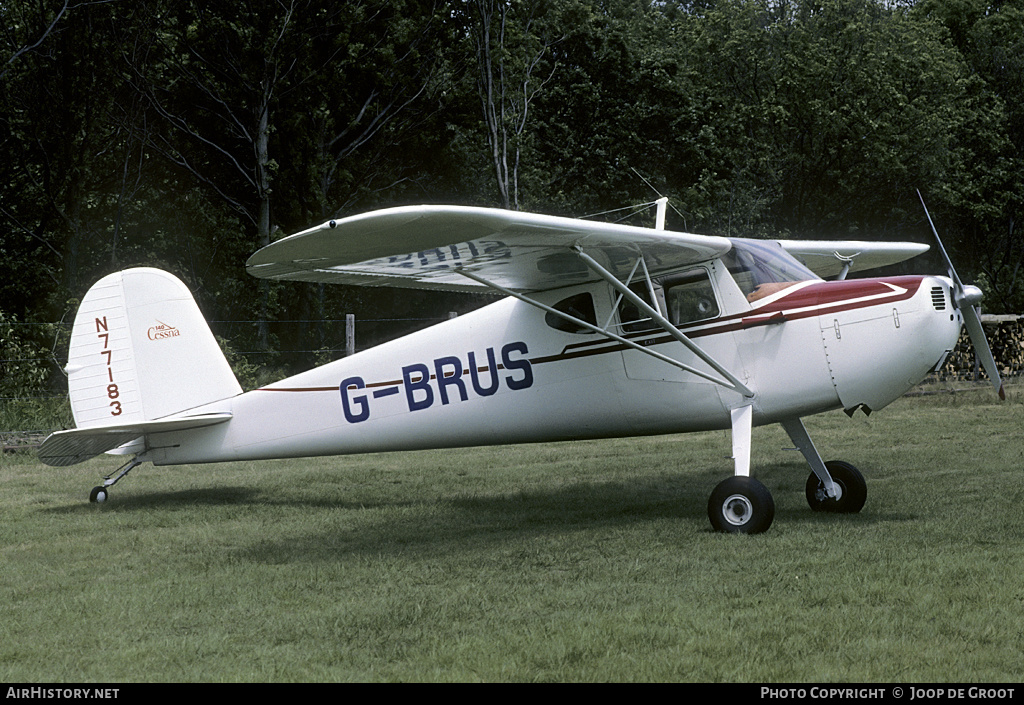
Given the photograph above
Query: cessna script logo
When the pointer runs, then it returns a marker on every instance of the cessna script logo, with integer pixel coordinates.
(162, 331)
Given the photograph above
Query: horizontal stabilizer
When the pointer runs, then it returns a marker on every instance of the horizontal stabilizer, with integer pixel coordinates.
(65, 448)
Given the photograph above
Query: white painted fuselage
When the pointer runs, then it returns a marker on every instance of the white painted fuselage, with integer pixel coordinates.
(505, 374)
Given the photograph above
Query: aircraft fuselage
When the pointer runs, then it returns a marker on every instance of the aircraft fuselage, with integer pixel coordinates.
(508, 373)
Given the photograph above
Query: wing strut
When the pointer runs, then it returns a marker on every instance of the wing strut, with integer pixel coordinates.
(733, 382)
(591, 327)
(729, 383)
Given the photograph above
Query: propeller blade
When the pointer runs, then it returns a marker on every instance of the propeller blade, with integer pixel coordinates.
(977, 334)
(964, 299)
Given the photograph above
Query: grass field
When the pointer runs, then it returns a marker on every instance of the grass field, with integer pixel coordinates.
(587, 561)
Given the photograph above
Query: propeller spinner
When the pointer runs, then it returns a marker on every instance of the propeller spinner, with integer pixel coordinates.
(966, 298)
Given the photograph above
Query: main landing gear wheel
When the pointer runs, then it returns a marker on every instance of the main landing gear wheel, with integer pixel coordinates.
(741, 505)
(853, 489)
(98, 494)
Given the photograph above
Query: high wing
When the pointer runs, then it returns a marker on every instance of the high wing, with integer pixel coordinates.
(828, 258)
(424, 247)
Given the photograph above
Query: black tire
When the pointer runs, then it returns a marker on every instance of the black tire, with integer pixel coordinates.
(849, 479)
(98, 494)
(741, 505)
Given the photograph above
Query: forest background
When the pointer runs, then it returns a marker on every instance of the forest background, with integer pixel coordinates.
(186, 134)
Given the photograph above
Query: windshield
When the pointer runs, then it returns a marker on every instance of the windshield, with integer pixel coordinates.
(762, 267)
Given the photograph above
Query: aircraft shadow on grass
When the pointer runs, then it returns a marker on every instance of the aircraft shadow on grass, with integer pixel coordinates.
(439, 524)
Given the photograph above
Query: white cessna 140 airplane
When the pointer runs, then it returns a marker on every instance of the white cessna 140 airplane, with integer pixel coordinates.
(604, 330)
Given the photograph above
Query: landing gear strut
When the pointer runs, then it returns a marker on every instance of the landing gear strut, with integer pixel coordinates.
(742, 505)
(100, 493)
(835, 486)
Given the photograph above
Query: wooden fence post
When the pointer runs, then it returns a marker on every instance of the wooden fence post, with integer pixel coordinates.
(350, 334)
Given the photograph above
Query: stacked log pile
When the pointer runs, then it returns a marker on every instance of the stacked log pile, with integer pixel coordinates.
(1006, 338)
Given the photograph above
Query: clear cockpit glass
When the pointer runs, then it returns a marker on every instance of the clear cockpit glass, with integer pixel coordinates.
(762, 268)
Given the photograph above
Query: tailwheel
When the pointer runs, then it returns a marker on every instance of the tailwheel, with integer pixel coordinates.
(853, 490)
(101, 493)
(741, 505)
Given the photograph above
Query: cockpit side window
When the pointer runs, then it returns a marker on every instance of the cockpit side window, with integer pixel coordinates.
(634, 320)
(690, 297)
(761, 268)
(681, 298)
(580, 306)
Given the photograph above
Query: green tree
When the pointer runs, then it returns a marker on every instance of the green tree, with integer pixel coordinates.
(214, 75)
(833, 112)
(624, 121)
(58, 91)
(983, 212)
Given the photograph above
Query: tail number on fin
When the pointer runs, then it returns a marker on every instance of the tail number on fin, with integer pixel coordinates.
(103, 333)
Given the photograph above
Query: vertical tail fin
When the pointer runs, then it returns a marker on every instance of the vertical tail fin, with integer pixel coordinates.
(141, 350)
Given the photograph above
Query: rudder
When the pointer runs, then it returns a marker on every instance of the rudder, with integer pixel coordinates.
(141, 350)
